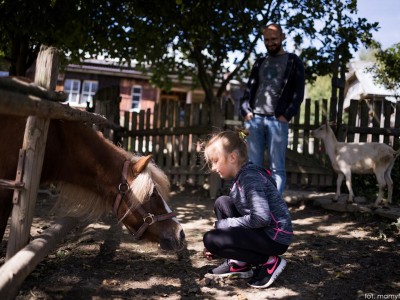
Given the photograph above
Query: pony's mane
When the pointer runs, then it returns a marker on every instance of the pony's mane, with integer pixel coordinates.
(152, 177)
(78, 202)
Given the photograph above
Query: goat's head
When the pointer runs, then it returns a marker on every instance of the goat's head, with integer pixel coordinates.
(323, 131)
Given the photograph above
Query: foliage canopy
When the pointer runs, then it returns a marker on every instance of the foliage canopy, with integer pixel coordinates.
(185, 37)
(387, 67)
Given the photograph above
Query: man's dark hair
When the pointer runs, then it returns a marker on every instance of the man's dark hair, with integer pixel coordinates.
(276, 26)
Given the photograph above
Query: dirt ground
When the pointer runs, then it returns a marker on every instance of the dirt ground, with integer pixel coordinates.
(334, 256)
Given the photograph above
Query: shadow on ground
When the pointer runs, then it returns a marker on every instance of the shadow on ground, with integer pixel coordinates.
(335, 255)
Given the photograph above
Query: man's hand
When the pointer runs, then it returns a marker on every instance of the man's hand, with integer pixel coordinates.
(282, 118)
(249, 116)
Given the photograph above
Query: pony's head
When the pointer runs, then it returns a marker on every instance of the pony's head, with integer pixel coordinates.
(138, 191)
(141, 204)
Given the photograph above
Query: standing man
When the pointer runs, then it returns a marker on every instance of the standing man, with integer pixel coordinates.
(273, 95)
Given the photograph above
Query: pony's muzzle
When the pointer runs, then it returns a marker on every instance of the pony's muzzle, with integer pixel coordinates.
(175, 243)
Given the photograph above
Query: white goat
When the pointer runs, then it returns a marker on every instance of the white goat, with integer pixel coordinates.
(359, 158)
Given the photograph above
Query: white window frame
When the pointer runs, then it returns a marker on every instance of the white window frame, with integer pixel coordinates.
(136, 98)
(87, 96)
(72, 87)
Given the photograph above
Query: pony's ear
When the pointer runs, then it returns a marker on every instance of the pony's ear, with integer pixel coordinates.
(141, 164)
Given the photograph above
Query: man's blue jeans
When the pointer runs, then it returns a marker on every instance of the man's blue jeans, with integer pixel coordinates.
(268, 132)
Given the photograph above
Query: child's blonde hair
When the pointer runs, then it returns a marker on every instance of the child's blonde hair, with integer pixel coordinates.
(226, 142)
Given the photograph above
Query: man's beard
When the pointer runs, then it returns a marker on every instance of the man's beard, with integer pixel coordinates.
(274, 51)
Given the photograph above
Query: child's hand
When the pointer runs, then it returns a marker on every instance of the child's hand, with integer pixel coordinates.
(207, 254)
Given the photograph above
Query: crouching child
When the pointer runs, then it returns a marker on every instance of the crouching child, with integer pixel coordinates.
(253, 227)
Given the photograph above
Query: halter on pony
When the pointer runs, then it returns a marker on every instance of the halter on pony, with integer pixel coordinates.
(148, 218)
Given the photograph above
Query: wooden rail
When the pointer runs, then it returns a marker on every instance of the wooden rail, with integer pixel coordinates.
(23, 86)
(15, 102)
(18, 267)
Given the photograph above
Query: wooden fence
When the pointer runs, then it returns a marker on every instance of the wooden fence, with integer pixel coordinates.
(174, 133)
(39, 103)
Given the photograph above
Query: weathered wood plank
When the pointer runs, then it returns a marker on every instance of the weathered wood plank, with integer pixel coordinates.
(23, 87)
(176, 141)
(376, 120)
(364, 120)
(11, 184)
(17, 104)
(125, 141)
(133, 141)
(34, 145)
(387, 110)
(162, 124)
(185, 144)
(155, 138)
(141, 126)
(147, 144)
(396, 143)
(17, 268)
(306, 132)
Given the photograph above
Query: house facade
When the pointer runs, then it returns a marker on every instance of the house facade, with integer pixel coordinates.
(361, 86)
(81, 83)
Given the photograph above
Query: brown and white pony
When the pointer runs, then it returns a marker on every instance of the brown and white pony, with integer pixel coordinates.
(95, 176)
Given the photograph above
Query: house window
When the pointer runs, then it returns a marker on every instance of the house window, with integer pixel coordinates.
(89, 89)
(136, 97)
(72, 87)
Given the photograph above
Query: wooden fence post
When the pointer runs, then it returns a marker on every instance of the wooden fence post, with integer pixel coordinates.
(34, 145)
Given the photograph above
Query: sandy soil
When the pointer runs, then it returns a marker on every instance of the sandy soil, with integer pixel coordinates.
(334, 256)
